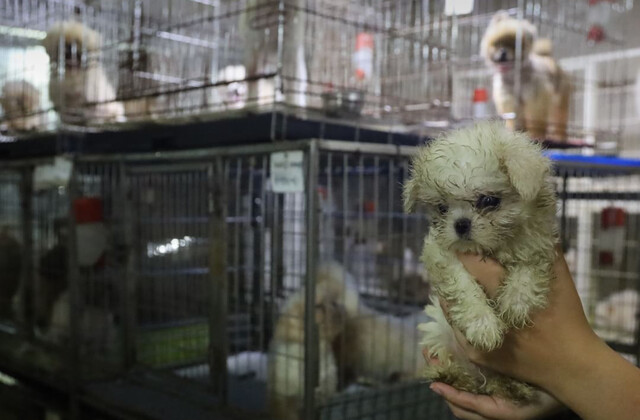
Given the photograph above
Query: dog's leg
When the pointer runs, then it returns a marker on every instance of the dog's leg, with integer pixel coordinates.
(524, 289)
(507, 107)
(535, 111)
(469, 309)
(559, 113)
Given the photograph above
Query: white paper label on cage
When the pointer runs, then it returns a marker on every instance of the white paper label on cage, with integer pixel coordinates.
(287, 174)
(52, 175)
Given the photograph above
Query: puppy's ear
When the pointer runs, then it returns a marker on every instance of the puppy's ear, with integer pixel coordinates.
(530, 32)
(522, 161)
(410, 193)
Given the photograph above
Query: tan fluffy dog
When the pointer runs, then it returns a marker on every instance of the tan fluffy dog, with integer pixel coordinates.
(78, 87)
(540, 104)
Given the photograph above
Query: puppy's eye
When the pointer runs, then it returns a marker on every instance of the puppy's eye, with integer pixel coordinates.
(487, 202)
(443, 208)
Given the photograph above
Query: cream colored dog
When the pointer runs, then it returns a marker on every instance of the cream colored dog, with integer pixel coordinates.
(487, 191)
(540, 104)
(20, 102)
(79, 88)
(286, 352)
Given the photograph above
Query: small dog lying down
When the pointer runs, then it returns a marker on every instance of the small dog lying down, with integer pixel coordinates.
(488, 191)
(369, 345)
(20, 102)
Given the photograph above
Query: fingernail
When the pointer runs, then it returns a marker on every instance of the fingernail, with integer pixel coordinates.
(436, 389)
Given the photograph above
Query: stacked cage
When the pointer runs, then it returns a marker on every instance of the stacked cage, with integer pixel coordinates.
(283, 278)
(211, 271)
(411, 66)
(141, 60)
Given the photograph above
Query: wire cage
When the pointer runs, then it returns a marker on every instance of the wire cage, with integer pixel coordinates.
(277, 279)
(198, 268)
(598, 210)
(411, 66)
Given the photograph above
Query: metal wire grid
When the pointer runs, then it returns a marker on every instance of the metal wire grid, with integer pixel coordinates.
(365, 228)
(12, 259)
(158, 291)
(599, 225)
(177, 59)
(593, 74)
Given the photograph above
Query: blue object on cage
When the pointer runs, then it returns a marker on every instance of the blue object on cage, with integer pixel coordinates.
(594, 160)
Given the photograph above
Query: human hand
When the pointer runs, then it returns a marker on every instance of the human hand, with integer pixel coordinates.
(468, 406)
(560, 353)
(558, 335)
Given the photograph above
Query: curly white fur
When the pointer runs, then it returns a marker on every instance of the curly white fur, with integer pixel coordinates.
(452, 178)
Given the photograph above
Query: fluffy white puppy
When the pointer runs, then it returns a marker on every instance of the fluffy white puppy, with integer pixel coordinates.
(20, 102)
(78, 87)
(488, 191)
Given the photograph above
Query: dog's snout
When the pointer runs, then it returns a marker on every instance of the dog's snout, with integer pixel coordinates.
(462, 227)
(502, 55)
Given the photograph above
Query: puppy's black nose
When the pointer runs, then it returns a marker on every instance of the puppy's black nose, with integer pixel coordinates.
(462, 227)
(502, 56)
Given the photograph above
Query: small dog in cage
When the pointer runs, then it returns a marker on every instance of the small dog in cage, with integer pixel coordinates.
(286, 353)
(20, 102)
(539, 102)
(78, 87)
(487, 191)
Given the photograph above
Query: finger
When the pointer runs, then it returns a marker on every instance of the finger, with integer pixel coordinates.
(486, 271)
(476, 356)
(464, 414)
(484, 405)
(445, 308)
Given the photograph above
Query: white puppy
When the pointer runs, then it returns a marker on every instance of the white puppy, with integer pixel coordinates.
(78, 87)
(488, 191)
(20, 102)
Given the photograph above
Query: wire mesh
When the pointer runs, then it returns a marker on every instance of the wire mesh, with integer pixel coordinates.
(416, 64)
(598, 230)
(145, 229)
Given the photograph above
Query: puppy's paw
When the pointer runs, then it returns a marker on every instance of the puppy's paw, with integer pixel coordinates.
(485, 332)
(516, 305)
